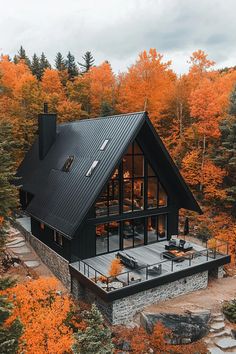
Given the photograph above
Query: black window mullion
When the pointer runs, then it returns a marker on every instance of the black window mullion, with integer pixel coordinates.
(133, 231)
(145, 231)
(108, 238)
(132, 193)
(145, 185)
(121, 235)
(157, 193)
(132, 179)
(157, 222)
(121, 188)
(108, 199)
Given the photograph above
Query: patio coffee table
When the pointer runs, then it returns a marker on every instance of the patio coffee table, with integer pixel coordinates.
(173, 255)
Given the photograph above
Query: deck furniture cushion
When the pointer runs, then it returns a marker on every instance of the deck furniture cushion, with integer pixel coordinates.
(179, 244)
(155, 270)
(127, 260)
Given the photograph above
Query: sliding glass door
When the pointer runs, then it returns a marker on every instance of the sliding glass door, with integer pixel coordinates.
(107, 237)
(157, 228)
(130, 233)
(133, 232)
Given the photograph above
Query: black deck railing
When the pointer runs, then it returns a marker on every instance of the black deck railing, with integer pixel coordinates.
(145, 272)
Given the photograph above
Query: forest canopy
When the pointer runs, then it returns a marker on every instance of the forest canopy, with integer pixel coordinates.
(195, 114)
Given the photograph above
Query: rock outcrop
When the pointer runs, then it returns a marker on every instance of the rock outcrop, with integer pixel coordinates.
(186, 328)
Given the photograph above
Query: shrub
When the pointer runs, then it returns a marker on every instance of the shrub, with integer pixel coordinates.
(115, 268)
(229, 309)
(204, 233)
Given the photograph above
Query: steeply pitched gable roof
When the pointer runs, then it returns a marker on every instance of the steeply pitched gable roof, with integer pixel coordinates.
(62, 199)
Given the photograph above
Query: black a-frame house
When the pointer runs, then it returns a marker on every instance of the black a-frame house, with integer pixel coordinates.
(99, 185)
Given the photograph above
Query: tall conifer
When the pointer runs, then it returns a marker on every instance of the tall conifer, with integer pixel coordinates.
(88, 61)
(60, 62)
(71, 66)
(8, 193)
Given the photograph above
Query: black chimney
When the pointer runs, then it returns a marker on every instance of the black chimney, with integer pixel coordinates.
(47, 131)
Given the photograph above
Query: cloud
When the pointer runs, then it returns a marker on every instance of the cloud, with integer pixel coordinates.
(117, 30)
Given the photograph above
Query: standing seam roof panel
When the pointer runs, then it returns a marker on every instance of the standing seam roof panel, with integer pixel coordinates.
(67, 196)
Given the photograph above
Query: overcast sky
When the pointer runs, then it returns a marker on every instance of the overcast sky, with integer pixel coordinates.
(117, 30)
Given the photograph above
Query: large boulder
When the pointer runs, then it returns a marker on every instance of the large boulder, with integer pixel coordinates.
(186, 328)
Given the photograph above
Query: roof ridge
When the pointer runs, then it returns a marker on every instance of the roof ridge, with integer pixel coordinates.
(104, 117)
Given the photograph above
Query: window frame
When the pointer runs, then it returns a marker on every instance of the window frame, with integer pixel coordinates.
(58, 238)
(130, 201)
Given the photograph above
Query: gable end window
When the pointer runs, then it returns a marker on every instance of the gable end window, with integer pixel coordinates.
(58, 238)
(133, 187)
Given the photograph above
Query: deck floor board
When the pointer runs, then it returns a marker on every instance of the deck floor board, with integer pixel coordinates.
(145, 255)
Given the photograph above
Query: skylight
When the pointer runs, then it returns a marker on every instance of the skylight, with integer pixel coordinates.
(67, 165)
(93, 166)
(104, 144)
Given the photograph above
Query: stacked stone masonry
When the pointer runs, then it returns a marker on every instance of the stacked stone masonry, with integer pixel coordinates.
(57, 264)
(122, 311)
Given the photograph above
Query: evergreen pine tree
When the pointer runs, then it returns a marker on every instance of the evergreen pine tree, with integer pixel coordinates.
(88, 62)
(21, 55)
(106, 109)
(96, 338)
(226, 158)
(9, 335)
(35, 66)
(71, 66)
(232, 104)
(15, 59)
(60, 62)
(43, 65)
(8, 193)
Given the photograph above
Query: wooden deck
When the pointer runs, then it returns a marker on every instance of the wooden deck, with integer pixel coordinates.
(145, 255)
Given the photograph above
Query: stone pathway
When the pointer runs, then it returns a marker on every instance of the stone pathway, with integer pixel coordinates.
(220, 338)
(19, 248)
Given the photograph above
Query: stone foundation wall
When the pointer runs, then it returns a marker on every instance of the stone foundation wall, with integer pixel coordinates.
(122, 311)
(82, 293)
(57, 264)
(217, 272)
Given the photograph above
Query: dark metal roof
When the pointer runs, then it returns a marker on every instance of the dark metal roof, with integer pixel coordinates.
(62, 199)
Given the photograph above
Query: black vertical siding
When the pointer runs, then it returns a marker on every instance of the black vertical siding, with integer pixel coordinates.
(46, 236)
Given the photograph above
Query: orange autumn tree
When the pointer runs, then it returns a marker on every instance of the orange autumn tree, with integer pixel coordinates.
(148, 85)
(199, 65)
(221, 227)
(206, 109)
(52, 89)
(156, 342)
(94, 91)
(69, 111)
(101, 83)
(20, 101)
(206, 179)
(43, 310)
